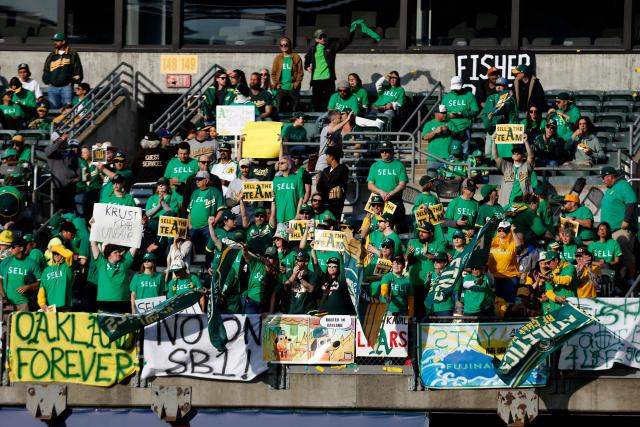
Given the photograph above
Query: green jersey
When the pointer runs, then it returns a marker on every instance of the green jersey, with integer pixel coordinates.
(38, 257)
(458, 209)
(420, 263)
(614, 204)
(24, 97)
(336, 102)
(258, 288)
(112, 278)
(387, 175)
(125, 200)
(286, 82)
(57, 282)
(259, 237)
(582, 212)
(146, 285)
(288, 259)
(14, 111)
(390, 94)
(203, 204)
(464, 104)
(439, 146)
(177, 286)
(566, 126)
(302, 301)
(321, 69)
(180, 170)
(335, 297)
(288, 190)
(567, 291)
(606, 251)
(293, 133)
(487, 211)
(447, 304)
(400, 289)
(568, 253)
(477, 294)
(171, 199)
(15, 273)
(363, 99)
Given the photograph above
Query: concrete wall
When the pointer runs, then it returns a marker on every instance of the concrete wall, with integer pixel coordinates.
(419, 70)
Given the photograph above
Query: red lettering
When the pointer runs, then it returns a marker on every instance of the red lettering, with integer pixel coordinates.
(393, 336)
(403, 339)
(361, 343)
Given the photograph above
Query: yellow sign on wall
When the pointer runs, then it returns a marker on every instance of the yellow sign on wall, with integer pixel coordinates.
(178, 64)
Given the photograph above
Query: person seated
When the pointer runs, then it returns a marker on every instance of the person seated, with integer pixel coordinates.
(343, 99)
(458, 171)
(587, 150)
(390, 95)
(549, 148)
(13, 115)
(41, 122)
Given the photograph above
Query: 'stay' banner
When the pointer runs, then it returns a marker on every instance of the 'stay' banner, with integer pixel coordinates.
(614, 338)
(393, 340)
(181, 346)
(472, 66)
(459, 355)
(67, 348)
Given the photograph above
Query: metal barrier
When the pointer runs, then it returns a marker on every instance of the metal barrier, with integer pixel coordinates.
(187, 105)
(119, 82)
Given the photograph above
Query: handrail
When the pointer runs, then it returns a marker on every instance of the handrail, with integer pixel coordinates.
(103, 95)
(187, 105)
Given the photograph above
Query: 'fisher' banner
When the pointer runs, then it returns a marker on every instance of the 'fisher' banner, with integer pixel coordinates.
(460, 355)
(614, 338)
(67, 348)
(472, 66)
(180, 345)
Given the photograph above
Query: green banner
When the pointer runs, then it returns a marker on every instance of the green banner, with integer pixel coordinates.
(217, 332)
(536, 340)
(365, 29)
(117, 325)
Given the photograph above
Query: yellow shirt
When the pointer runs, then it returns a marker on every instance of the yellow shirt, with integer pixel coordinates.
(503, 260)
(586, 286)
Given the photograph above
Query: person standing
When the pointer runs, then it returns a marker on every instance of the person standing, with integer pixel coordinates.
(57, 281)
(24, 74)
(286, 76)
(388, 178)
(62, 69)
(112, 267)
(527, 89)
(462, 109)
(437, 135)
(397, 289)
(288, 191)
(516, 173)
(503, 261)
(205, 202)
(462, 211)
(65, 170)
(333, 180)
(148, 283)
(19, 276)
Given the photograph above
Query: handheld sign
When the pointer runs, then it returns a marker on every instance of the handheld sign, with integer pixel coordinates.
(170, 226)
(261, 140)
(388, 206)
(119, 225)
(98, 154)
(433, 214)
(257, 191)
(567, 223)
(230, 119)
(145, 305)
(509, 134)
(298, 226)
(383, 266)
(327, 240)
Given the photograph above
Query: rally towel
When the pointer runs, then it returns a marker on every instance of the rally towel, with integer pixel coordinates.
(365, 29)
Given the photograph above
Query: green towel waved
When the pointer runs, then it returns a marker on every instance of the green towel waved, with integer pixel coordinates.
(365, 30)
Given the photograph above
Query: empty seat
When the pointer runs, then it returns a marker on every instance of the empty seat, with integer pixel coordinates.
(620, 95)
(327, 20)
(302, 42)
(541, 42)
(459, 42)
(577, 41)
(484, 42)
(608, 42)
(593, 106)
(605, 137)
(370, 17)
(622, 106)
(588, 95)
(607, 127)
(614, 116)
(622, 136)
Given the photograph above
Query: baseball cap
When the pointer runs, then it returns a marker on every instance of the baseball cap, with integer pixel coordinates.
(163, 181)
(23, 66)
(58, 37)
(177, 265)
(244, 162)
(522, 68)
(441, 108)
(387, 217)
(581, 251)
(303, 256)
(305, 207)
(120, 156)
(548, 256)
(563, 96)
(117, 178)
(456, 147)
(504, 224)
(517, 148)
(73, 143)
(426, 227)
(349, 222)
(42, 106)
(377, 199)
(201, 125)
(477, 153)
(424, 180)
(6, 237)
(492, 70)
(487, 189)
(238, 236)
(572, 198)
(440, 256)
(259, 210)
(318, 33)
(9, 153)
(469, 184)
(456, 83)
(164, 133)
(459, 234)
(608, 170)
(333, 260)
(501, 81)
(202, 175)
(224, 146)
(552, 246)
(388, 243)
(18, 241)
(386, 145)
(271, 252)
(29, 238)
(342, 84)
(227, 214)
(149, 257)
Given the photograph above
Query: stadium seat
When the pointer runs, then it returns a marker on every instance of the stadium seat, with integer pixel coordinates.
(623, 106)
(604, 137)
(608, 42)
(550, 95)
(613, 116)
(6, 134)
(588, 95)
(327, 20)
(484, 42)
(577, 41)
(593, 106)
(620, 95)
(541, 42)
(459, 42)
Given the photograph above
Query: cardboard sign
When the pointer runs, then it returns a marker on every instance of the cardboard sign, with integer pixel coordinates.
(327, 240)
(393, 340)
(98, 154)
(509, 134)
(383, 266)
(119, 225)
(231, 119)
(147, 304)
(261, 140)
(567, 223)
(388, 206)
(299, 226)
(433, 214)
(68, 348)
(171, 226)
(257, 191)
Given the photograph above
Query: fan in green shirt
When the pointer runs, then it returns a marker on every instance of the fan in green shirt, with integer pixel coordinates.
(113, 272)
(181, 167)
(619, 204)
(182, 281)
(606, 250)
(343, 99)
(264, 279)
(445, 307)
(390, 94)
(462, 211)
(260, 232)
(397, 290)
(477, 293)
(438, 135)
(355, 84)
(205, 202)
(489, 206)
(148, 283)
(288, 191)
(118, 196)
(19, 275)
(301, 284)
(387, 175)
(295, 131)
(461, 106)
(573, 211)
(56, 282)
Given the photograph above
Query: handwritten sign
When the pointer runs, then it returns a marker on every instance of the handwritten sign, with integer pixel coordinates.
(389, 207)
(170, 226)
(178, 64)
(67, 348)
(327, 240)
(257, 191)
(261, 140)
(231, 119)
(383, 266)
(299, 226)
(433, 214)
(569, 224)
(147, 304)
(119, 225)
(98, 154)
(509, 134)
(393, 340)
(180, 345)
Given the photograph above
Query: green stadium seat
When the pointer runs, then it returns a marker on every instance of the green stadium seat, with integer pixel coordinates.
(620, 95)
(622, 106)
(588, 95)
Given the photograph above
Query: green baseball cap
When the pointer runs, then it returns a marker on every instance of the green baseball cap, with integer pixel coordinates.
(305, 207)
(426, 227)
(58, 37)
(487, 189)
(29, 238)
(456, 147)
(227, 214)
(201, 125)
(333, 260)
(377, 199)
(440, 256)
(271, 252)
(259, 210)
(587, 235)
(388, 243)
(477, 153)
(149, 257)
(224, 146)
(9, 153)
(553, 246)
(607, 170)
(303, 256)
(548, 256)
(460, 234)
(387, 217)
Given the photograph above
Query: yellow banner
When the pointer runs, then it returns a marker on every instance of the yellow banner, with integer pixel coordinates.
(257, 191)
(433, 214)
(98, 154)
(567, 223)
(388, 206)
(171, 226)
(67, 348)
(296, 230)
(382, 267)
(178, 64)
(261, 140)
(327, 240)
(509, 134)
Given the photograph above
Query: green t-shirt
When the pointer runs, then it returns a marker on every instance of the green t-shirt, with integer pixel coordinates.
(421, 264)
(440, 145)
(390, 94)
(458, 208)
(294, 134)
(447, 304)
(125, 200)
(465, 104)
(147, 285)
(614, 204)
(339, 104)
(203, 204)
(15, 111)
(287, 190)
(13, 273)
(477, 295)
(24, 97)
(112, 278)
(387, 175)
(177, 286)
(257, 289)
(400, 289)
(487, 211)
(171, 199)
(363, 98)
(582, 212)
(606, 251)
(321, 70)
(259, 238)
(285, 74)
(182, 171)
(38, 257)
(323, 257)
(57, 282)
(568, 253)
(288, 259)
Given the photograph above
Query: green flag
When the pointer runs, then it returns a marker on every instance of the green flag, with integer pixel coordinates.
(475, 253)
(116, 325)
(536, 340)
(365, 29)
(217, 332)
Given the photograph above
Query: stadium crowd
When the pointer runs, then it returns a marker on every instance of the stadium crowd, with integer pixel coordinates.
(535, 262)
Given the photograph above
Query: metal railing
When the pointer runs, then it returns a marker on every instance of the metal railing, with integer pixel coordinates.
(187, 105)
(120, 81)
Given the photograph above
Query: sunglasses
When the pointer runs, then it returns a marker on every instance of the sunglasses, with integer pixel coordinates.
(343, 90)
(503, 229)
(260, 215)
(533, 111)
(316, 200)
(147, 260)
(385, 151)
(284, 44)
(222, 77)
(264, 74)
(204, 162)
(550, 127)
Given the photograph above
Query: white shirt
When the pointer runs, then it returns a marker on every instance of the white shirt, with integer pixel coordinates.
(33, 86)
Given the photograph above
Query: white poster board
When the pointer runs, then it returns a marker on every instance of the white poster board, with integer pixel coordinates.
(393, 340)
(145, 304)
(180, 345)
(230, 119)
(118, 225)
